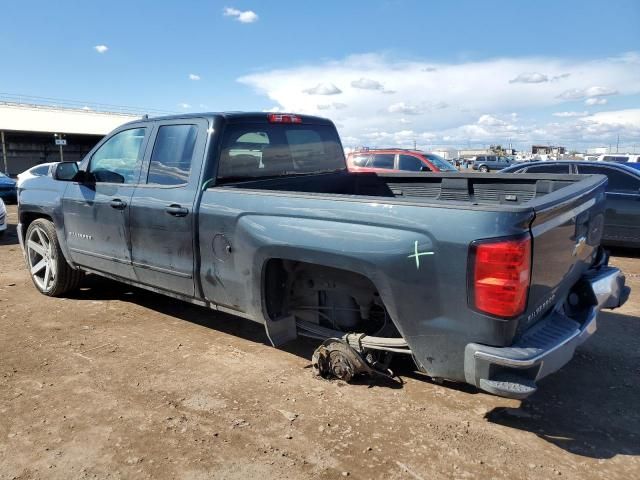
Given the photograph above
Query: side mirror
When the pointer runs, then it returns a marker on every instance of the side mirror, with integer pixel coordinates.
(424, 168)
(66, 171)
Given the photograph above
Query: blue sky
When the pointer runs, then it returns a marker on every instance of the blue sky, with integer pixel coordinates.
(459, 72)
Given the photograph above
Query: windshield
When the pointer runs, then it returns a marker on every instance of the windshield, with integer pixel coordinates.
(440, 162)
(267, 150)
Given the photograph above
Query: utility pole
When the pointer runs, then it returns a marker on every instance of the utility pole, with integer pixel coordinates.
(60, 142)
(4, 153)
(617, 143)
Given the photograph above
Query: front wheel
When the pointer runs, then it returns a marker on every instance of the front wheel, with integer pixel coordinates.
(484, 169)
(50, 272)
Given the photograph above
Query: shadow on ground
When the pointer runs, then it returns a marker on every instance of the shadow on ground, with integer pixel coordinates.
(96, 288)
(10, 236)
(589, 407)
(624, 252)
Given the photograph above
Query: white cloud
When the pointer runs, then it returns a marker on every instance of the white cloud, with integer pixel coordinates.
(193, 76)
(580, 93)
(402, 107)
(323, 89)
(329, 106)
(367, 84)
(446, 101)
(101, 48)
(570, 114)
(595, 101)
(532, 77)
(184, 105)
(491, 121)
(247, 16)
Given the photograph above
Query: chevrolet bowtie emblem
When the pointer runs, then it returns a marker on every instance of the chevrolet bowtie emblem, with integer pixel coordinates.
(581, 246)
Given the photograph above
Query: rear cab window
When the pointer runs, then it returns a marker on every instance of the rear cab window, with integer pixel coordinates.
(256, 150)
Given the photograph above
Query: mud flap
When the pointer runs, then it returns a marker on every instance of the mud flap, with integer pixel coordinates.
(281, 330)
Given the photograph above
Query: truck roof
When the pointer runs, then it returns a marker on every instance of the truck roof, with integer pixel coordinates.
(233, 117)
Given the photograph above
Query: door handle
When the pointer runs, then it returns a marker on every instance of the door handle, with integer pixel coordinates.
(118, 204)
(177, 210)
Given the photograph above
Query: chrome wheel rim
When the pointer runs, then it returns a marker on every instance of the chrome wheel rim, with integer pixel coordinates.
(42, 262)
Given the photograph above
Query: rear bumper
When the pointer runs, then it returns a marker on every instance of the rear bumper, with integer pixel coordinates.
(546, 347)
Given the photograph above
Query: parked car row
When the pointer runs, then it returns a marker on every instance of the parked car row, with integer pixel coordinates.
(398, 160)
(487, 163)
(3, 218)
(8, 190)
(619, 158)
(622, 207)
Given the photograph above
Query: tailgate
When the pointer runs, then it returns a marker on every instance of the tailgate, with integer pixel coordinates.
(566, 232)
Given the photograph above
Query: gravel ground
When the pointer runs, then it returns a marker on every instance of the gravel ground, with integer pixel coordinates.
(120, 383)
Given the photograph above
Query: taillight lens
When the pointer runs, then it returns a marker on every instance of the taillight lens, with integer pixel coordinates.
(284, 118)
(501, 276)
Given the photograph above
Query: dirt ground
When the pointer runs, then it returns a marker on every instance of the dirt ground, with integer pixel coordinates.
(120, 383)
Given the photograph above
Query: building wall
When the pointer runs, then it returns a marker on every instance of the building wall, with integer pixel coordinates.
(27, 149)
(29, 133)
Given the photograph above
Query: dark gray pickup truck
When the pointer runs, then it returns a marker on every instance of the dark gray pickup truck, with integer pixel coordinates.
(487, 279)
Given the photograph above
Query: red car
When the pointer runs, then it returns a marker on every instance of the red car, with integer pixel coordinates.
(397, 160)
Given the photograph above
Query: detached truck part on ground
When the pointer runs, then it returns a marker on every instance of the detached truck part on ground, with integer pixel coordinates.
(492, 280)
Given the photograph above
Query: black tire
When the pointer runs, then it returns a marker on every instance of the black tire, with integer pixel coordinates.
(43, 255)
(483, 169)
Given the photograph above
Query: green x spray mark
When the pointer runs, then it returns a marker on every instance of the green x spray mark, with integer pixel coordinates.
(417, 255)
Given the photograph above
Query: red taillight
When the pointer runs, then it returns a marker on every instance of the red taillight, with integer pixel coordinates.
(284, 118)
(501, 274)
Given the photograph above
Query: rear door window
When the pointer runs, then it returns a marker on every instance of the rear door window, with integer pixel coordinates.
(411, 164)
(618, 181)
(172, 155)
(551, 168)
(382, 160)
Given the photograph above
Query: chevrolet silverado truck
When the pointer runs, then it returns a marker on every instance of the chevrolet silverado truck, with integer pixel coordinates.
(493, 280)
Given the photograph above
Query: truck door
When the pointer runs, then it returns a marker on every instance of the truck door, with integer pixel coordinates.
(96, 212)
(162, 220)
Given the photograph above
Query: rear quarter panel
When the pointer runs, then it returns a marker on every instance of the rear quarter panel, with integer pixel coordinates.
(374, 238)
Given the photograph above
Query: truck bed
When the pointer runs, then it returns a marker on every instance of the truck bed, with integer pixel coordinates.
(433, 188)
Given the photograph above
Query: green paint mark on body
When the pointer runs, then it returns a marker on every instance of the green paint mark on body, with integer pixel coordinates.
(417, 255)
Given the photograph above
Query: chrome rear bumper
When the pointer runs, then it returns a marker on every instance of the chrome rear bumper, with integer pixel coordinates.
(547, 346)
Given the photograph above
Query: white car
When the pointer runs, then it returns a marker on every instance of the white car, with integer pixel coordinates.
(619, 158)
(3, 218)
(35, 171)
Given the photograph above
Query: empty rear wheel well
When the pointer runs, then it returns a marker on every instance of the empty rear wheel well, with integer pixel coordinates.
(339, 299)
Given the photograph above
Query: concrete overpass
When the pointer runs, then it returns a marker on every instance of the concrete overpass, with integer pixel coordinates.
(28, 130)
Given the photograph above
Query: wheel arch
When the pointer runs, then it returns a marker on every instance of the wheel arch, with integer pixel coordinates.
(27, 217)
(274, 279)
